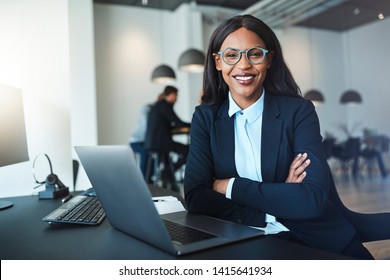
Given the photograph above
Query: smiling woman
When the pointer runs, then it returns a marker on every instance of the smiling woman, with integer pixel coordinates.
(256, 154)
(244, 76)
(226, 59)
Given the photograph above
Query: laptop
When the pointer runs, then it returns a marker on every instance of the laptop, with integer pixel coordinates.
(127, 202)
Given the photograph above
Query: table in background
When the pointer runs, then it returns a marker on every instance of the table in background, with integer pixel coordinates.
(182, 131)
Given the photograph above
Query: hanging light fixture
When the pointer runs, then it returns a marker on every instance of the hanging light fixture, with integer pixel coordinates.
(163, 73)
(192, 60)
(315, 96)
(351, 97)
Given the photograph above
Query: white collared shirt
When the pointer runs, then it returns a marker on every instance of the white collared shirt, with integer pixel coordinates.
(247, 136)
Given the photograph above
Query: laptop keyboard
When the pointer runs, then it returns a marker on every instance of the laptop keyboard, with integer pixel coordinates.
(81, 209)
(182, 234)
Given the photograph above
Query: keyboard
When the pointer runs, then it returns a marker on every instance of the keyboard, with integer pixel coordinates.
(84, 210)
(182, 234)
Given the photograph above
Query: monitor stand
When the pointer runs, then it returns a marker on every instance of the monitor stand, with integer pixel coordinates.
(5, 204)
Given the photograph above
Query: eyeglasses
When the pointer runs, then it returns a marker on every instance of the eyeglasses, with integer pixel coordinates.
(254, 55)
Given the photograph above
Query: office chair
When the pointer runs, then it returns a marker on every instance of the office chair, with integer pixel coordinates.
(160, 170)
(372, 160)
(370, 227)
(347, 154)
(371, 155)
(328, 144)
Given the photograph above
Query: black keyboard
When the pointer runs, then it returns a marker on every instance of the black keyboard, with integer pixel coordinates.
(81, 209)
(182, 234)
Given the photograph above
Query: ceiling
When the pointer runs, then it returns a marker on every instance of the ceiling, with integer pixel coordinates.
(173, 4)
(335, 15)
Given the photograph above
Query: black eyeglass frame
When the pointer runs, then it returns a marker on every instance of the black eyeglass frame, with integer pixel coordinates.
(240, 52)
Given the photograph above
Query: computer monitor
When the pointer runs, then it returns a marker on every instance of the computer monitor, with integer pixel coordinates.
(13, 142)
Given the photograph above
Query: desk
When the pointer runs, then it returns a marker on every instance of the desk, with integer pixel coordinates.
(181, 130)
(185, 130)
(23, 235)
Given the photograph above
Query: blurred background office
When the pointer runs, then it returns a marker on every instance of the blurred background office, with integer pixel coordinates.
(85, 70)
(85, 66)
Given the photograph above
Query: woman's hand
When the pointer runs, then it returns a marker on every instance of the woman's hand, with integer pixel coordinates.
(220, 185)
(297, 171)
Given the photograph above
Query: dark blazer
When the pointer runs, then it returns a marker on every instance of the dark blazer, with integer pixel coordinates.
(311, 210)
(161, 119)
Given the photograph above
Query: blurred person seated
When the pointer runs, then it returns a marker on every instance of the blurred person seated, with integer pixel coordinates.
(161, 120)
(137, 138)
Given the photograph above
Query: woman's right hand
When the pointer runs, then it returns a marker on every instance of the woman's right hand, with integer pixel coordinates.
(297, 171)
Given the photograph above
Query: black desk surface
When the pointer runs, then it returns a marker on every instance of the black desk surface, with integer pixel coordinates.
(23, 235)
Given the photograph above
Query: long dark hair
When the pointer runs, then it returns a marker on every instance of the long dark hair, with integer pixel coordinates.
(279, 80)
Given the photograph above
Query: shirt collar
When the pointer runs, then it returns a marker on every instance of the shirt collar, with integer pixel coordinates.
(252, 113)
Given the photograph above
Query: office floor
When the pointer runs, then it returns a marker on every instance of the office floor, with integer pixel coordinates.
(367, 195)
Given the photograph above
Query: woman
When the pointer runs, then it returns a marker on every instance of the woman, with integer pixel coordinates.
(251, 139)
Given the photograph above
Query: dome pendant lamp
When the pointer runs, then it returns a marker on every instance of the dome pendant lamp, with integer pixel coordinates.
(192, 61)
(315, 96)
(351, 97)
(163, 74)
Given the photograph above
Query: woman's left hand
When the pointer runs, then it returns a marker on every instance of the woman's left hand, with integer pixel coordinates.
(297, 171)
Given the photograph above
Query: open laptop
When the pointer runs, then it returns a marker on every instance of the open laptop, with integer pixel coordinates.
(127, 202)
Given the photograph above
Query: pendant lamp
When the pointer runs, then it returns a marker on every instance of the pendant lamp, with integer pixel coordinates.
(163, 74)
(315, 96)
(351, 97)
(192, 61)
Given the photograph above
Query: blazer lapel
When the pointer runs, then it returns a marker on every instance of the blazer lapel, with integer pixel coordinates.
(271, 137)
(224, 127)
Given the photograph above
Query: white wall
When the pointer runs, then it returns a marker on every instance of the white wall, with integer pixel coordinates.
(368, 62)
(358, 59)
(190, 35)
(315, 64)
(35, 56)
(83, 111)
(130, 43)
